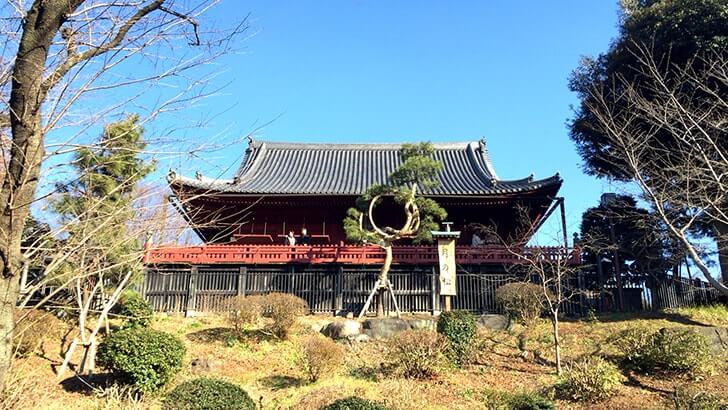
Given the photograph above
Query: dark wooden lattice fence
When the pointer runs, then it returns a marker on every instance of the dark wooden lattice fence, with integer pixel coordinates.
(336, 289)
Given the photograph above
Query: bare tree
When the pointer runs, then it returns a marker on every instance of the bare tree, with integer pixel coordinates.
(680, 160)
(552, 274)
(549, 270)
(59, 53)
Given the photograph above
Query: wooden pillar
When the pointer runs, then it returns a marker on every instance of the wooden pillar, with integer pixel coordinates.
(191, 292)
(339, 290)
(242, 280)
(581, 287)
(434, 293)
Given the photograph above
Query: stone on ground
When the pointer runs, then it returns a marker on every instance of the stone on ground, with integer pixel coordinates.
(342, 329)
(384, 328)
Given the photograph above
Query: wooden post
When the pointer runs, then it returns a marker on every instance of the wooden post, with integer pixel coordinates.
(339, 290)
(145, 273)
(434, 294)
(242, 280)
(191, 292)
(448, 306)
(580, 285)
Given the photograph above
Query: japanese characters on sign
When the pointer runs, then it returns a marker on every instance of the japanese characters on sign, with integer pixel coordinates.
(446, 252)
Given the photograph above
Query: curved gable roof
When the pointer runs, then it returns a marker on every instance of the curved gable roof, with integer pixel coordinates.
(277, 168)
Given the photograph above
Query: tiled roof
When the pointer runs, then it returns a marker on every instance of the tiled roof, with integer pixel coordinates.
(349, 169)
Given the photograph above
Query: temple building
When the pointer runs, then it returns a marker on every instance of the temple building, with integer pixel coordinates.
(282, 187)
(288, 187)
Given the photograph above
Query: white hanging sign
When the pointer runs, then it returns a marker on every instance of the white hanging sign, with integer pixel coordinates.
(446, 253)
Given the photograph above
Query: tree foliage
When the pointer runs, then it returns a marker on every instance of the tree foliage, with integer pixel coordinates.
(642, 244)
(96, 206)
(653, 111)
(677, 33)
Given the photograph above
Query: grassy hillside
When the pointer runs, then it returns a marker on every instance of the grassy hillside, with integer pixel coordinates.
(268, 369)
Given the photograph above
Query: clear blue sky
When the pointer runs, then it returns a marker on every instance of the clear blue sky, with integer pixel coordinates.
(376, 71)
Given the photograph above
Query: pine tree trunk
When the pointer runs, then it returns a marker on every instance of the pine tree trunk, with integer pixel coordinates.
(383, 278)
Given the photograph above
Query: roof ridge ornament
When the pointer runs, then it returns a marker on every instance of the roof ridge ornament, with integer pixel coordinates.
(198, 175)
(481, 144)
(171, 175)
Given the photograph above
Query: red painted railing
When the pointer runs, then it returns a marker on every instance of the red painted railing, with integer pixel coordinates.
(348, 254)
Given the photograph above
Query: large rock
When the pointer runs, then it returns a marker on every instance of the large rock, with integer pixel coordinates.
(429, 324)
(384, 328)
(492, 322)
(318, 325)
(717, 336)
(342, 329)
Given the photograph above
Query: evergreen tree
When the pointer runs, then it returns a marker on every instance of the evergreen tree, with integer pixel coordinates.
(97, 206)
(662, 45)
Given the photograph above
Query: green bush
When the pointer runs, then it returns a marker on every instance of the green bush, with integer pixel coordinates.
(458, 327)
(284, 309)
(208, 394)
(354, 403)
(667, 350)
(692, 399)
(134, 309)
(522, 302)
(417, 354)
(321, 356)
(142, 358)
(590, 379)
(517, 401)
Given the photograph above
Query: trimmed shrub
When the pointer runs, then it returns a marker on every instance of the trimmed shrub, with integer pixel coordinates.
(245, 311)
(528, 401)
(522, 302)
(208, 394)
(667, 350)
(458, 327)
(692, 399)
(417, 354)
(354, 403)
(590, 379)
(321, 357)
(134, 310)
(284, 309)
(141, 357)
(496, 400)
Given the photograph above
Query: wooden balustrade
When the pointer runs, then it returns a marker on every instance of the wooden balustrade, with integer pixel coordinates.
(342, 254)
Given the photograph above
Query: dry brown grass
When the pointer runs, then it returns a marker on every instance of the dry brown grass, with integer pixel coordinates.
(267, 367)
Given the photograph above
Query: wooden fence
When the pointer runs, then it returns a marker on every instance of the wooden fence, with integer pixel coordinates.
(344, 288)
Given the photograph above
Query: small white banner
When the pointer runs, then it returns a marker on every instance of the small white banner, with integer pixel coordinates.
(446, 252)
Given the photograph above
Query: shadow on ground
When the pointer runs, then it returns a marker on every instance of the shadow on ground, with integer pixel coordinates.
(628, 316)
(86, 384)
(280, 382)
(225, 335)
